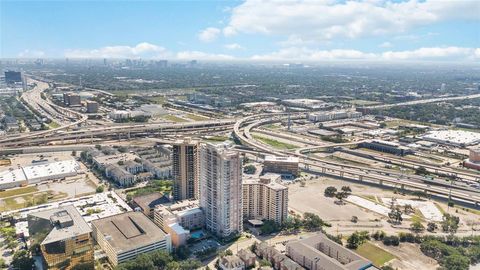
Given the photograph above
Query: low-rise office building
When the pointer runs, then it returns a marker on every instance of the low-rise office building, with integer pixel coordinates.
(125, 236)
(265, 199)
(386, 147)
(282, 165)
(63, 235)
(320, 253)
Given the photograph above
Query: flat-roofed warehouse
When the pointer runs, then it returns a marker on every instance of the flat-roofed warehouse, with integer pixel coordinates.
(125, 236)
(453, 137)
(33, 174)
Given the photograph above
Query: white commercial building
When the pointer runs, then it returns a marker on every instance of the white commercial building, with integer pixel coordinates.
(453, 137)
(333, 115)
(221, 189)
(37, 173)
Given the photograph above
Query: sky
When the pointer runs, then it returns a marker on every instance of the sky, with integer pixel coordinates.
(284, 30)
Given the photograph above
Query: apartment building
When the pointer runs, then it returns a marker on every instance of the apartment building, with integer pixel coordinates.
(63, 236)
(178, 219)
(221, 189)
(283, 165)
(125, 236)
(264, 198)
(320, 253)
(185, 169)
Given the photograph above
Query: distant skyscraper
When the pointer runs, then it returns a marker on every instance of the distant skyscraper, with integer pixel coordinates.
(104, 61)
(443, 87)
(13, 76)
(221, 189)
(185, 169)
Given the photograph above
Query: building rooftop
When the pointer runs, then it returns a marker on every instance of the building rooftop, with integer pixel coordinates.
(129, 230)
(66, 223)
(459, 137)
(51, 169)
(150, 200)
(315, 248)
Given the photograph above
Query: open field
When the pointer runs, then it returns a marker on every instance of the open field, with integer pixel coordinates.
(196, 117)
(174, 118)
(17, 191)
(377, 255)
(275, 143)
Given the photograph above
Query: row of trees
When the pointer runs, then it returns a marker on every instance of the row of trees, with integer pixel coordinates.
(341, 194)
(309, 221)
(157, 260)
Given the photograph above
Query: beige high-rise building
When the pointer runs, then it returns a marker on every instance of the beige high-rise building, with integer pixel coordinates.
(265, 199)
(185, 169)
(221, 189)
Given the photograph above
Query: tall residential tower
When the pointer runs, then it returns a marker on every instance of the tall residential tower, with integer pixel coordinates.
(185, 169)
(221, 189)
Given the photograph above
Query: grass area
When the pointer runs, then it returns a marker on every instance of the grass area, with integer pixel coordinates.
(17, 191)
(196, 117)
(174, 118)
(370, 198)
(153, 186)
(377, 255)
(216, 139)
(361, 102)
(345, 161)
(271, 126)
(22, 201)
(157, 99)
(275, 143)
(53, 125)
(417, 216)
(440, 208)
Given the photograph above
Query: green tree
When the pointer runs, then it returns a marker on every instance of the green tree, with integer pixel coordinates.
(450, 223)
(395, 216)
(22, 260)
(100, 189)
(417, 227)
(330, 191)
(455, 262)
(250, 169)
(312, 221)
(432, 226)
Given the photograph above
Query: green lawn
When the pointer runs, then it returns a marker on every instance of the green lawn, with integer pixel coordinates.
(375, 254)
(53, 125)
(196, 117)
(174, 118)
(275, 143)
(157, 99)
(17, 191)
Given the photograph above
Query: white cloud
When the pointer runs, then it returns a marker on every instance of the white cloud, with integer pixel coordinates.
(433, 53)
(234, 46)
(209, 34)
(141, 50)
(305, 54)
(189, 55)
(385, 44)
(31, 54)
(320, 20)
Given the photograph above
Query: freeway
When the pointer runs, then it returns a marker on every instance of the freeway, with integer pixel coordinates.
(126, 130)
(46, 109)
(422, 101)
(242, 130)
